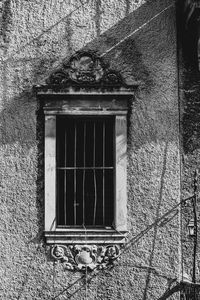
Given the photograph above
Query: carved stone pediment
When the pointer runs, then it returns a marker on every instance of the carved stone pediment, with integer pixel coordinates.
(84, 69)
(81, 257)
(87, 72)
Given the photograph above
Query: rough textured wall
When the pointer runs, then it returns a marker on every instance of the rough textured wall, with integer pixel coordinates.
(138, 38)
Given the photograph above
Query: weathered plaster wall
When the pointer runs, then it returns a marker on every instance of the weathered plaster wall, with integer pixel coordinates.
(138, 38)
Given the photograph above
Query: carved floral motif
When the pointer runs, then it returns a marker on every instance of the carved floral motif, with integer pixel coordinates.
(84, 69)
(80, 257)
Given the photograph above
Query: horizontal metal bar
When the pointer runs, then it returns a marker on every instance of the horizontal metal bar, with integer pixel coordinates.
(85, 168)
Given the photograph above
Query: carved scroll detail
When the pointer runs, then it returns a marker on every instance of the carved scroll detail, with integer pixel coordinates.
(80, 257)
(84, 69)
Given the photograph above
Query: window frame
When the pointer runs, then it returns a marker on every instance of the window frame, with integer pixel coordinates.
(99, 106)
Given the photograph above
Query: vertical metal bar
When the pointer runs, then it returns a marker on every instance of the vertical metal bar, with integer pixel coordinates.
(94, 174)
(65, 179)
(195, 225)
(58, 217)
(58, 214)
(103, 137)
(75, 137)
(84, 142)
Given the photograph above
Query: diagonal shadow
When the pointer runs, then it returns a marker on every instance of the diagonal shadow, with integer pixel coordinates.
(126, 27)
(10, 57)
(170, 292)
(103, 42)
(158, 222)
(156, 226)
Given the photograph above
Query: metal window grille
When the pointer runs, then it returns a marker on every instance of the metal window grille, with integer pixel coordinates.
(85, 171)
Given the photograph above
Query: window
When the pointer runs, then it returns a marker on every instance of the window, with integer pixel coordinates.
(85, 107)
(85, 171)
(85, 176)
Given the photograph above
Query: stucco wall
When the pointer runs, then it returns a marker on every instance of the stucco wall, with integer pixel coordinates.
(137, 38)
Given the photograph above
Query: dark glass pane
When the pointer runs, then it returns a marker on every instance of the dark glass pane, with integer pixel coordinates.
(99, 144)
(109, 196)
(65, 197)
(99, 208)
(85, 196)
(108, 143)
(89, 144)
(79, 197)
(70, 197)
(80, 144)
(89, 197)
(60, 139)
(60, 198)
(65, 137)
(70, 143)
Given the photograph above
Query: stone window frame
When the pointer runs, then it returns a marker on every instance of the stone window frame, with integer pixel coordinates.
(95, 91)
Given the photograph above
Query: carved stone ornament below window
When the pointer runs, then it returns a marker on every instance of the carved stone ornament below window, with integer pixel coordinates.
(80, 257)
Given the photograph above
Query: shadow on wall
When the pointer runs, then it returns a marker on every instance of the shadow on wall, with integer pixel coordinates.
(172, 282)
(189, 82)
(18, 123)
(152, 254)
(128, 61)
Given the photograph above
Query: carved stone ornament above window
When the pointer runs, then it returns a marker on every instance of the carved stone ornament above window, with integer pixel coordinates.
(82, 257)
(84, 70)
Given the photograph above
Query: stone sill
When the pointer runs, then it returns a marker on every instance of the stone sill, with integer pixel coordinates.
(45, 90)
(80, 236)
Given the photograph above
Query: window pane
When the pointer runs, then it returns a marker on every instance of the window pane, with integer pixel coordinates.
(89, 197)
(80, 144)
(65, 196)
(79, 197)
(99, 206)
(89, 143)
(109, 144)
(99, 144)
(85, 186)
(65, 142)
(60, 196)
(108, 197)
